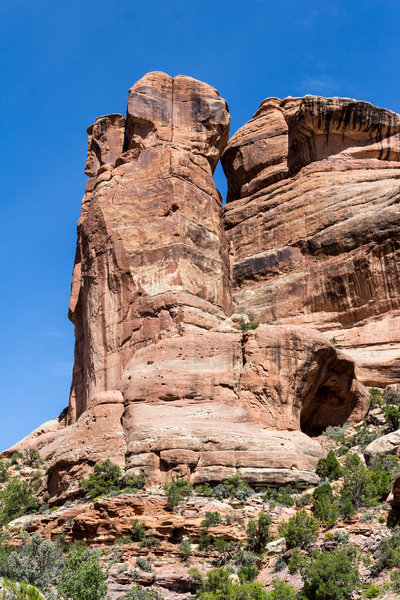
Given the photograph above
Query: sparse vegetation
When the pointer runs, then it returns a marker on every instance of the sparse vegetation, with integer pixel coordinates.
(258, 533)
(300, 530)
(248, 326)
(177, 490)
(329, 467)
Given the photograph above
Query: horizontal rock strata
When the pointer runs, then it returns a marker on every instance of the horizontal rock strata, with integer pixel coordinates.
(313, 223)
(169, 378)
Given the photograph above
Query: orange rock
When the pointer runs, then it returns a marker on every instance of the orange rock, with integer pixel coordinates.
(312, 220)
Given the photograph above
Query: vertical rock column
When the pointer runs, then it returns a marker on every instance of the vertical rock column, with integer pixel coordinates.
(151, 258)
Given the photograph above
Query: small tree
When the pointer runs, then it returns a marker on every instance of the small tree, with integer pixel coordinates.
(176, 491)
(138, 531)
(31, 457)
(105, 479)
(330, 575)
(281, 591)
(37, 561)
(82, 577)
(258, 532)
(329, 467)
(185, 548)
(16, 499)
(300, 530)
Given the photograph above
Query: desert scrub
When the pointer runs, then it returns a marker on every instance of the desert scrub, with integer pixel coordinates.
(176, 491)
(82, 576)
(16, 499)
(300, 530)
(258, 533)
(143, 564)
(138, 531)
(248, 326)
(105, 479)
(233, 487)
(185, 549)
(329, 467)
(330, 575)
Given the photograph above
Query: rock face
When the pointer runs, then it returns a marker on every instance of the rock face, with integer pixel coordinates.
(312, 219)
(165, 380)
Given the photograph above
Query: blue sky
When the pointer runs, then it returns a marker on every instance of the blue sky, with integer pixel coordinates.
(65, 62)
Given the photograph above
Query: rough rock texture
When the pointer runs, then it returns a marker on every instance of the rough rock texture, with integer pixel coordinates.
(165, 380)
(313, 224)
(151, 259)
(386, 444)
(394, 496)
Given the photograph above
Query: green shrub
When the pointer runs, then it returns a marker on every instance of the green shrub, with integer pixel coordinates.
(4, 471)
(335, 432)
(204, 489)
(248, 326)
(20, 591)
(341, 537)
(16, 499)
(325, 507)
(280, 564)
(140, 593)
(281, 591)
(195, 575)
(219, 585)
(15, 457)
(225, 549)
(360, 486)
(373, 591)
(329, 467)
(247, 573)
(300, 530)
(387, 463)
(138, 531)
(376, 397)
(105, 479)
(233, 487)
(176, 491)
(395, 578)
(185, 548)
(82, 577)
(149, 542)
(212, 519)
(329, 575)
(143, 564)
(295, 562)
(31, 457)
(392, 416)
(36, 561)
(136, 483)
(258, 533)
(387, 555)
(283, 495)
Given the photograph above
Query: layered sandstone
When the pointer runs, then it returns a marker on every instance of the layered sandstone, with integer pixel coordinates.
(165, 380)
(151, 258)
(313, 223)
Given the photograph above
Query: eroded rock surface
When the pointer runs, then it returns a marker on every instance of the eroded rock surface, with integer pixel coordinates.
(166, 379)
(313, 223)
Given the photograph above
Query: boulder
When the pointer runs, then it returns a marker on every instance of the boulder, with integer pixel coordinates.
(387, 444)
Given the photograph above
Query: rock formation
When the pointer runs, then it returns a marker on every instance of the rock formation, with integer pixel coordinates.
(312, 219)
(166, 380)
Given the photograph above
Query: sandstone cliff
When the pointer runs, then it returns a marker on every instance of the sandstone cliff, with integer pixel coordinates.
(312, 219)
(167, 380)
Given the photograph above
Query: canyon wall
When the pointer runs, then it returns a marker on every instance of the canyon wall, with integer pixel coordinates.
(170, 378)
(312, 219)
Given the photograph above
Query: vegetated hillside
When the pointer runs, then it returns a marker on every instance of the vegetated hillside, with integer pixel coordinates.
(128, 538)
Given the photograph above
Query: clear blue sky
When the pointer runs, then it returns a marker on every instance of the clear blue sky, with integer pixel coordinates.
(65, 62)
